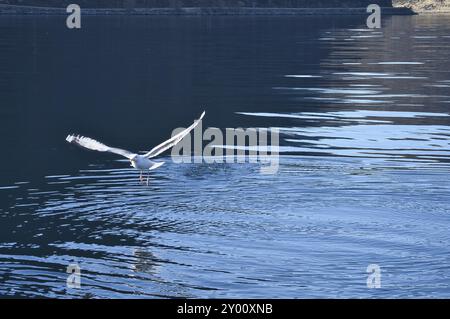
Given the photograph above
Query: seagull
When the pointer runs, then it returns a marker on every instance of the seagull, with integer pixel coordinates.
(139, 162)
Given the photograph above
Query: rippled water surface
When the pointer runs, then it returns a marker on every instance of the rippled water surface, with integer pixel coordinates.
(364, 120)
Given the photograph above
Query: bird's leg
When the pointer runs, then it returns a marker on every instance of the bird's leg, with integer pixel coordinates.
(140, 177)
(148, 177)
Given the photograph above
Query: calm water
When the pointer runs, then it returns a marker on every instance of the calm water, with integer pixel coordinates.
(363, 178)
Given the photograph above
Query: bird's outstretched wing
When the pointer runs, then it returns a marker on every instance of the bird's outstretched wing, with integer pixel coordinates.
(173, 140)
(94, 145)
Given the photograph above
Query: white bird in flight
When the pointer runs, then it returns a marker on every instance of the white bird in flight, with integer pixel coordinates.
(140, 162)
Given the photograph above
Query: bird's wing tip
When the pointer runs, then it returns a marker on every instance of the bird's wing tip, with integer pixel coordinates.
(74, 138)
(203, 114)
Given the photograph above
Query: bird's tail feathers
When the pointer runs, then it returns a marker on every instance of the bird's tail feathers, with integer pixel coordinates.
(156, 165)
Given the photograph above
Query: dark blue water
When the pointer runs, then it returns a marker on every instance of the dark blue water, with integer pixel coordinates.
(364, 165)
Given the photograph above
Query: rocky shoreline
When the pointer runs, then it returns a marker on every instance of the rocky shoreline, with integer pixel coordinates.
(425, 6)
(199, 11)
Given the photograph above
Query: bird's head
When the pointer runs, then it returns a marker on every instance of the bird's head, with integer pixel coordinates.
(133, 161)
